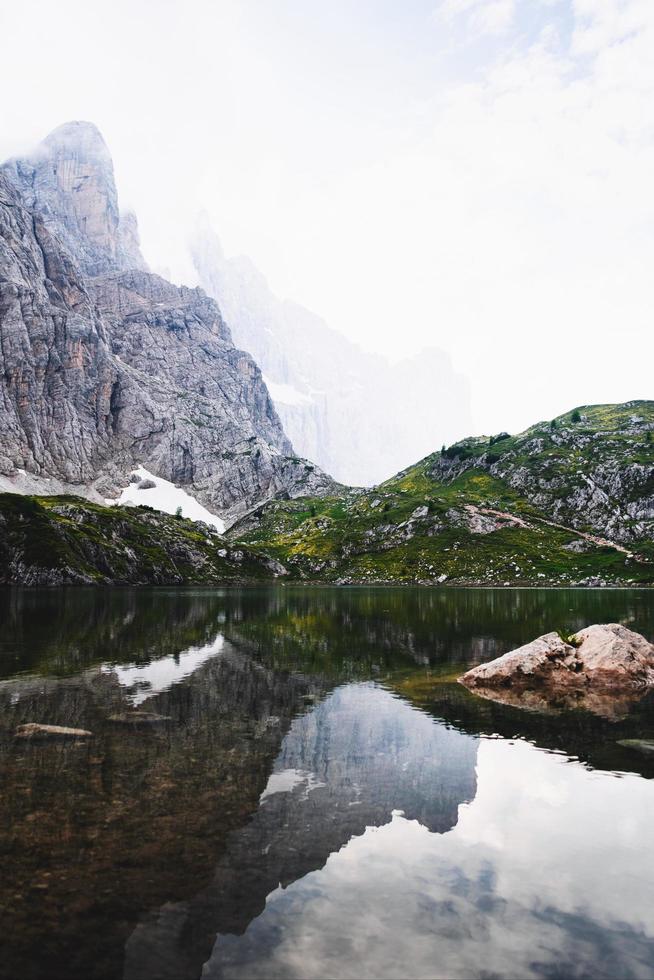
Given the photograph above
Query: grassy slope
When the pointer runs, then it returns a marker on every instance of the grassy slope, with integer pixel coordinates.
(53, 540)
(560, 456)
(372, 536)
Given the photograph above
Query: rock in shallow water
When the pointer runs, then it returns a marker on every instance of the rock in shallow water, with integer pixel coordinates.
(34, 730)
(603, 658)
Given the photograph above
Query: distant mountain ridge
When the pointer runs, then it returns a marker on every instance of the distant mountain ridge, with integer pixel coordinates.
(105, 366)
(356, 414)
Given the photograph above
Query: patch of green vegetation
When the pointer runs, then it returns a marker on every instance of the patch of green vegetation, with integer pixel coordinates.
(59, 540)
(448, 518)
(569, 638)
(538, 518)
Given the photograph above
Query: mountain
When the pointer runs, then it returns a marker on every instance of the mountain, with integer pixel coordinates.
(360, 417)
(105, 366)
(567, 502)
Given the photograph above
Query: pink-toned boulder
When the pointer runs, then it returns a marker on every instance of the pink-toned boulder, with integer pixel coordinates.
(610, 659)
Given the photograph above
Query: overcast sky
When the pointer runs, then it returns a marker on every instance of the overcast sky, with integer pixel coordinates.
(470, 174)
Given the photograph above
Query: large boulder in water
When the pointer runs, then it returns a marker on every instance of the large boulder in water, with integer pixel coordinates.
(608, 659)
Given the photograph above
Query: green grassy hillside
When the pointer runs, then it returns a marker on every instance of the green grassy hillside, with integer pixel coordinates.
(67, 540)
(568, 501)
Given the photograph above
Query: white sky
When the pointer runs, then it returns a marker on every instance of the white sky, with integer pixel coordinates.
(470, 174)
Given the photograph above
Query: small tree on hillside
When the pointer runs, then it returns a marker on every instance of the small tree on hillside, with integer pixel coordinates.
(576, 416)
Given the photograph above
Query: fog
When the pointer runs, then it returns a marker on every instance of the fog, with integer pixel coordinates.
(474, 175)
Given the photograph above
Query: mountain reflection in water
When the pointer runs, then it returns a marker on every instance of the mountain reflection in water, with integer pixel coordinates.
(529, 882)
(324, 800)
(363, 755)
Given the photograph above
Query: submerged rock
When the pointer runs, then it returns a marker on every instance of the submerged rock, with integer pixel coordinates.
(139, 718)
(34, 730)
(602, 659)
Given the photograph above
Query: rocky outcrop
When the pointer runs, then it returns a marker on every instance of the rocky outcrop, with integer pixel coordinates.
(105, 366)
(595, 474)
(599, 661)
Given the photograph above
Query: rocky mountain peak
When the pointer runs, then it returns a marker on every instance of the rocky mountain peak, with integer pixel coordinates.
(69, 180)
(78, 138)
(105, 367)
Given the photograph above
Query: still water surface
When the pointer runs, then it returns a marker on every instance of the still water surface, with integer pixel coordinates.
(324, 801)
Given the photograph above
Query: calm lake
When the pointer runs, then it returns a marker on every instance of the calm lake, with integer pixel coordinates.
(322, 800)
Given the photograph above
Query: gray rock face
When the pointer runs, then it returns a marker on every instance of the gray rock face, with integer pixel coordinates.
(105, 366)
(69, 182)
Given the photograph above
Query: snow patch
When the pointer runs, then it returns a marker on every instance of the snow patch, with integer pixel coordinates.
(286, 394)
(166, 497)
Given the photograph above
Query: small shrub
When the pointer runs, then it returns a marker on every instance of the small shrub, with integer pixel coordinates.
(568, 638)
(498, 438)
(178, 512)
(458, 452)
(576, 416)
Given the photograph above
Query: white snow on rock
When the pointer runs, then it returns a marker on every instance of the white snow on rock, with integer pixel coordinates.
(166, 497)
(286, 394)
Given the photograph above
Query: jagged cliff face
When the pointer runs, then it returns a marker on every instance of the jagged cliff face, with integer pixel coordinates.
(357, 415)
(106, 366)
(57, 371)
(70, 183)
